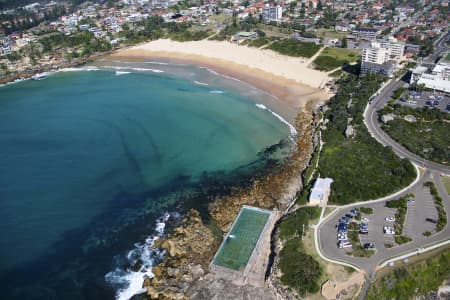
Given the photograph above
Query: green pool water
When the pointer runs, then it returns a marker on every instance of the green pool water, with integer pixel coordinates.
(238, 246)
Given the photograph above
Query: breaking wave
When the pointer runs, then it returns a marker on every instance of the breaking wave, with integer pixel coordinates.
(292, 129)
(128, 281)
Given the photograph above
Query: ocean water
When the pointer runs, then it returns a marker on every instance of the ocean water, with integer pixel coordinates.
(91, 162)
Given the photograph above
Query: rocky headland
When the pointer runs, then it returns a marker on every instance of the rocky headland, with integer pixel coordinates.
(183, 273)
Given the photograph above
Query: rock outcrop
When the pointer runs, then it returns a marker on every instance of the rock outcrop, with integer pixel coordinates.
(190, 248)
(278, 187)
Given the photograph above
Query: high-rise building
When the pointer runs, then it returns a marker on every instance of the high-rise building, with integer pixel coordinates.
(380, 56)
(272, 13)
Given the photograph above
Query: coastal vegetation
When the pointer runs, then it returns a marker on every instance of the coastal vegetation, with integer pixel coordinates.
(294, 48)
(366, 210)
(442, 215)
(83, 43)
(332, 58)
(425, 133)
(412, 281)
(258, 42)
(361, 168)
(301, 271)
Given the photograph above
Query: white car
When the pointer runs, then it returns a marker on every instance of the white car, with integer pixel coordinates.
(364, 220)
(390, 219)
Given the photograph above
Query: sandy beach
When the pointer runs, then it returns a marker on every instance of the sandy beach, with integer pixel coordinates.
(287, 78)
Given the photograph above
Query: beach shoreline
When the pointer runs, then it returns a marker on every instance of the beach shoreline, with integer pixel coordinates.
(287, 88)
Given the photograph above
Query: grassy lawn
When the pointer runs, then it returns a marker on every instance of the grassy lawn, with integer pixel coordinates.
(274, 31)
(294, 48)
(329, 33)
(412, 280)
(258, 42)
(220, 19)
(332, 57)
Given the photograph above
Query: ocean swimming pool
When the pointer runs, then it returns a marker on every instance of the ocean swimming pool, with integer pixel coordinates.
(240, 242)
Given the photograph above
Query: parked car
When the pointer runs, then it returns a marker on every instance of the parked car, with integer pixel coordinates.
(431, 220)
(354, 212)
(344, 245)
(390, 219)
(365, 220)
(409, 201)
(369, 245)
(389, 230)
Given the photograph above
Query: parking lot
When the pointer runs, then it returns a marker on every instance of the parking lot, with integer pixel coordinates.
(418, 210)
(375, 223)
(429, 99)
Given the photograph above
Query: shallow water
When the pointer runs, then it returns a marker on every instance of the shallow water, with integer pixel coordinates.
(89, 160)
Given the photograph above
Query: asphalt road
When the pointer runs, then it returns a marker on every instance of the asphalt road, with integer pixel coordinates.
(371, 119)
(423, 204)
(440, 48)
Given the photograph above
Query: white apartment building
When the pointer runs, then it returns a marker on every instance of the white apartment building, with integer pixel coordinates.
(380, 56)
(396, 48)
(375, 55)
(272, 13)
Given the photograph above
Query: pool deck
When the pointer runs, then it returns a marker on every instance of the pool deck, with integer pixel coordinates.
(255, 269)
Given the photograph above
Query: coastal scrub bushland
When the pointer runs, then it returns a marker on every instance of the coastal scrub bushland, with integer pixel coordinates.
(426, 136)
(301, 271)
(362, 168)
(294, 48)
(411, 281)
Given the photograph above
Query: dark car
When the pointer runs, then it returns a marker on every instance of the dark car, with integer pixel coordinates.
(431, 220)
(369, 246)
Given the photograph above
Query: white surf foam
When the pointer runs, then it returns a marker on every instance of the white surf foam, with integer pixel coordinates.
(134, 69)
(157, 63)
(148, 70)
(216, 92)
(129, 281)
(200, 83)
(292, 129)
(78, 69)
(118, 73)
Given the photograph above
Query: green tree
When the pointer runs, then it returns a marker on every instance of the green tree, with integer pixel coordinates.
(344, 42)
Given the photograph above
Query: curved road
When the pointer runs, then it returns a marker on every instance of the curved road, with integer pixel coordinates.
(372, 124)
(432, 171)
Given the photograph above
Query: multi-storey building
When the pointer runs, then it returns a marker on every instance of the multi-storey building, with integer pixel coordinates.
(272, 13)
(438, 78)
(365, 33)
(381, 55)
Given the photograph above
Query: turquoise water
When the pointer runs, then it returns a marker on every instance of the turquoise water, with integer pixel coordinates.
(88, 160)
